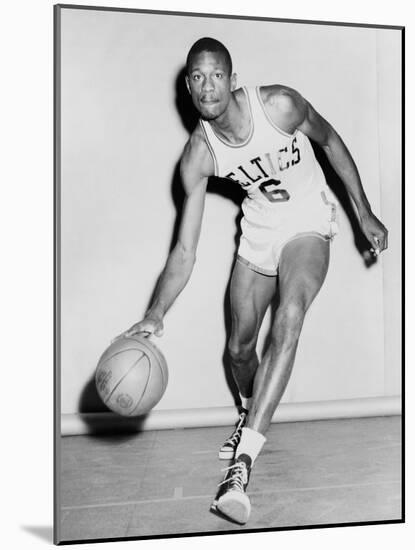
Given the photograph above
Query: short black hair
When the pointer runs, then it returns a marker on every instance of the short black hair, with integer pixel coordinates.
(207, 44)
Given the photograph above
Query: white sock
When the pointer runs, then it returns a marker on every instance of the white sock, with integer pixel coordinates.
(246, 401)
(250, 444)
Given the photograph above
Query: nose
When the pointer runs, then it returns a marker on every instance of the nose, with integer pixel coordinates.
(208, 85)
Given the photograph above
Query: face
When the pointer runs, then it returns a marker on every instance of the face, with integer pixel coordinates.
(210, 84)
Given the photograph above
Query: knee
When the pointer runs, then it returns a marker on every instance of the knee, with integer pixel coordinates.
(241, 352)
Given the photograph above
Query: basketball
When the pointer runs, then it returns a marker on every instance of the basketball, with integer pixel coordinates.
(131, 376)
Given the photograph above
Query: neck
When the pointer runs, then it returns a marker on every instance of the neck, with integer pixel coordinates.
(234, 124)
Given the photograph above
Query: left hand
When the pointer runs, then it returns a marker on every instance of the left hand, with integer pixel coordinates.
(375, 232)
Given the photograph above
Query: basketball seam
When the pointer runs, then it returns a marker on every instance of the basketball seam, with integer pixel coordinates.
(153, 355)
(163, 372)
(157, 355)
(126, 374)
(160, 358)
(117, 353)
(144, 390)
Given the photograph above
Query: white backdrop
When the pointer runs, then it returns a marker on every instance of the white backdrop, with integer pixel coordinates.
(121, 139)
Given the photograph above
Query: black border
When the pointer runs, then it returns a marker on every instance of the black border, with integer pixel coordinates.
(57, 269)
(227, 16)
(403, 359)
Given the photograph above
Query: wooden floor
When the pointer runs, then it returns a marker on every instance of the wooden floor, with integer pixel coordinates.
(163, 482)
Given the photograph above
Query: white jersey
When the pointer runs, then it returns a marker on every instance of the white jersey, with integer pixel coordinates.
(285, 184)
(271, 164)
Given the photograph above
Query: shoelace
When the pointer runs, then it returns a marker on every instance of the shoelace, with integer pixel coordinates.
(235, 437)
(239, 477)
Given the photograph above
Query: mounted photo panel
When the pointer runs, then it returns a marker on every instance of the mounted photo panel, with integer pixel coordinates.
(228, 254)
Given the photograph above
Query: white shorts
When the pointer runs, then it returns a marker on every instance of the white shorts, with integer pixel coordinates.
(266, 230)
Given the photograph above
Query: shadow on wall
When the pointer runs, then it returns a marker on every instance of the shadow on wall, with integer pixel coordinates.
(190, 118)
(90, 400)
(122, 427)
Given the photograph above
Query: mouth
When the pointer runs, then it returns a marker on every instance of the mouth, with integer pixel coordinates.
(209, 101)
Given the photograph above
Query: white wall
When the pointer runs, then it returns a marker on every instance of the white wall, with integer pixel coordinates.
(390, 146)
(121, 139)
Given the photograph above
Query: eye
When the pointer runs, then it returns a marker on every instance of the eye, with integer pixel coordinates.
(196, 77)
(219, 75)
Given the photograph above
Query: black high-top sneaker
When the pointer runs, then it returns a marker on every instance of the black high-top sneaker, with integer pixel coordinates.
(227, 451)
(233, 501)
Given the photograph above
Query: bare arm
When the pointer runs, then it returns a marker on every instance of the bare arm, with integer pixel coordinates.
(319, 130)
(195, 168)
(298, 113)
(180, 262)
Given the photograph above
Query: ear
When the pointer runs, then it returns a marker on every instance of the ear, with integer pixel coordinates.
(187, 84)
(234, 79)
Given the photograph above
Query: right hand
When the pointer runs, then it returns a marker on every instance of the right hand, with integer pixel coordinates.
(146, 327)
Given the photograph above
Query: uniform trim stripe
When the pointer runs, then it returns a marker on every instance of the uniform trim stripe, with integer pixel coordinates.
(212, 152)
(255, 268)
(331, 204)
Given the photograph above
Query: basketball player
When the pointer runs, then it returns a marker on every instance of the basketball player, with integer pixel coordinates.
(259, 139)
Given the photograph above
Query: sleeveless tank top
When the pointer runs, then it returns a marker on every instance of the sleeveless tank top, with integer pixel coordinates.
(277, 170)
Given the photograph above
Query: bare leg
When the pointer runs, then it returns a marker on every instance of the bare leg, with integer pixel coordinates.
(302, 270)
(251, 294)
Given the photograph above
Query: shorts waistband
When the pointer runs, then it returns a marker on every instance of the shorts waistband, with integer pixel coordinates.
(261, 270)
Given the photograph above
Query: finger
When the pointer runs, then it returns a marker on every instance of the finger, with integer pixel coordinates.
(375, 250)
(139, 332)
(142, 331)
(382, 241)
(126, 334)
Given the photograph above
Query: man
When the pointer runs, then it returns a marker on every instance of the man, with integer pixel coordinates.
(259, 139)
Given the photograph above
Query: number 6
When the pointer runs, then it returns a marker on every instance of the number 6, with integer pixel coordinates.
(269, 189)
